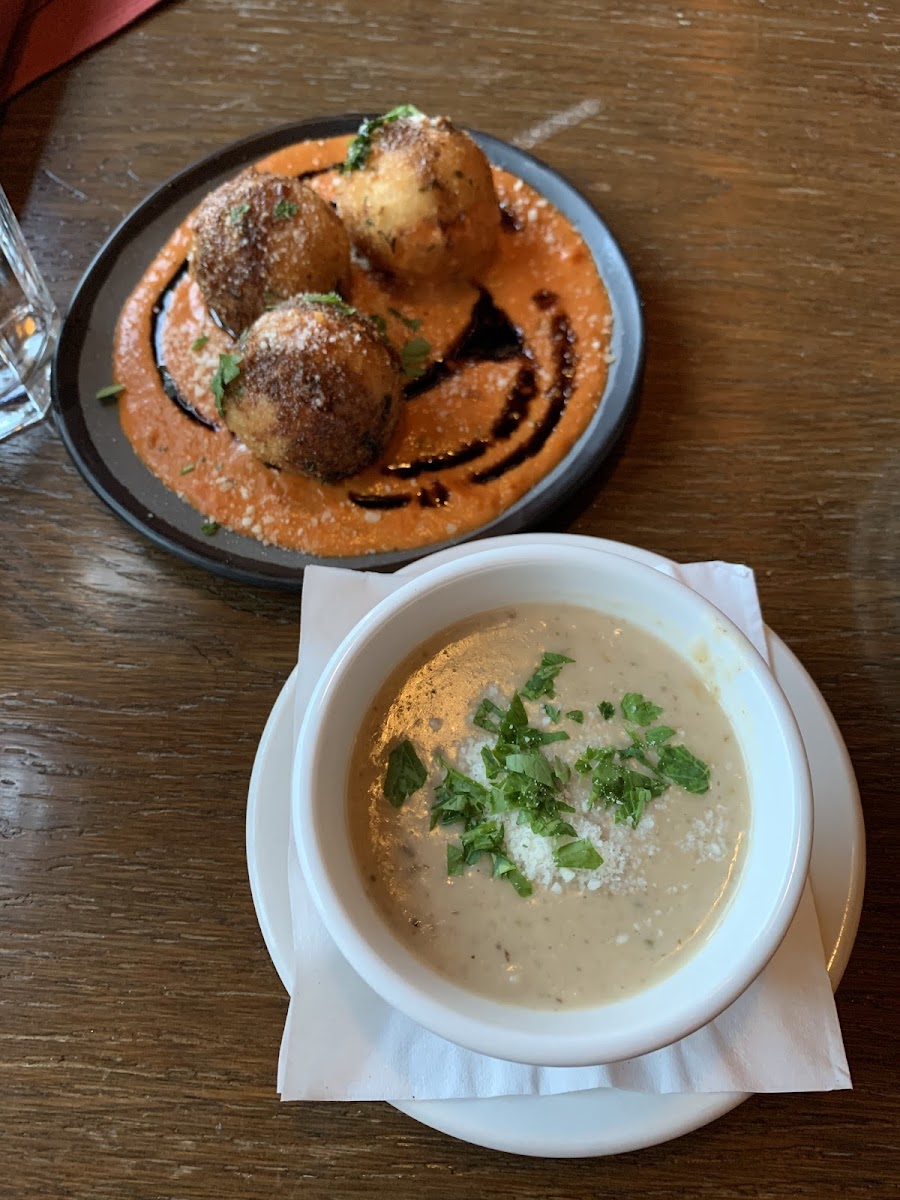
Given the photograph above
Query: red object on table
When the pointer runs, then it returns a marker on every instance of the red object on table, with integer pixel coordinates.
(37, 36)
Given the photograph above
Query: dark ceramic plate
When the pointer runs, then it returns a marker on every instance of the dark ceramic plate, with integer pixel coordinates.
(83, 364)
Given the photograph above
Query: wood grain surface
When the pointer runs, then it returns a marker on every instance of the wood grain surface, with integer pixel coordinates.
(745, 154)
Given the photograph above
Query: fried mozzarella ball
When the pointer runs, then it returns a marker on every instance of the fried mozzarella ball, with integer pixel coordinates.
(260, 239)
(318, 391)
(418, 200)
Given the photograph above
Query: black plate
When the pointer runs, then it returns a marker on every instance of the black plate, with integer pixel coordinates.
(83, 364)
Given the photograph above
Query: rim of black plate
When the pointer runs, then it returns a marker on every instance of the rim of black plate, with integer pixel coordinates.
(105, 459)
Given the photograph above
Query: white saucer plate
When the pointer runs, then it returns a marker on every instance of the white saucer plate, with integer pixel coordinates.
(603, 1120)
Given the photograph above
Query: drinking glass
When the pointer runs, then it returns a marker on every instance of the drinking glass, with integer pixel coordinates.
(29, 324)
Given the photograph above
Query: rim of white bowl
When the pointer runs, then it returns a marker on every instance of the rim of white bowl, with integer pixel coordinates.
(498, 1030)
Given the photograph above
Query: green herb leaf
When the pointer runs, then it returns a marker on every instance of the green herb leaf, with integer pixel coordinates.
(414, 356)
(285, 208)
(515, 718)
(592, 756)
(607, 711)
(186, 470)
(411, 323)
(228, 369)
(331, 298)
(111, 392)
(551, 825)
(541, 682)
(238, 211)
(456, 860)
(458, 798)
(505, 869)
(484, 838)
(578, 856)
(684, 769)
(552, 711)
(576, 715)
(531, 764)
(380, 323)
(658, 734)
(208, 528)
(405, 773)
(200, 342)
(545, 738)
(623, 789)
(563, 773)
(488, 715)
(639, 709)
(637, 750)
(359, 149)
(492, 764)
(635, 797)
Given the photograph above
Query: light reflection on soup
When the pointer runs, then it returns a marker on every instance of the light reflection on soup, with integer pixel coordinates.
(583, 936)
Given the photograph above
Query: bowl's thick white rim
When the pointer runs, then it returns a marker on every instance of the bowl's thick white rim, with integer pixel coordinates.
(389, 982)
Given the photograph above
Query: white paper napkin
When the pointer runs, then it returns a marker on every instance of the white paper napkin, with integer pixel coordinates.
(343, 1042)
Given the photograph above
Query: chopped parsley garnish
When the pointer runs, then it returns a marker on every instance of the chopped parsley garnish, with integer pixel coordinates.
(623, 789)
(228, 369)
(186, 470)
(541, 682)
(379, 322)
(332, 298)
(504, 868)
(200, 342)
(484, 838)
(456, 860)
(285, 208)
(208, 528)
(411, 323)
(111, 392)
(521, 779)
(488, 715)
(578, 856)
(658, 734)
(639, 709)
(405, 773)
(626, 789)
(684, 769)
(458, 798)
(238, 211)
(414, 356)
(528, 785)
(359, 149)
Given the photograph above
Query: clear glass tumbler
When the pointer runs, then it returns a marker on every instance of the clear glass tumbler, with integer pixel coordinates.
(29, 324)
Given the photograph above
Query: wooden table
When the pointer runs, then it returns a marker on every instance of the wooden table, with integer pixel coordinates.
(745, 155)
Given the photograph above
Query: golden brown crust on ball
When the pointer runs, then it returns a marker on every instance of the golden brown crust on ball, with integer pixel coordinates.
(318, 393)
(260, 239)
(423, 205)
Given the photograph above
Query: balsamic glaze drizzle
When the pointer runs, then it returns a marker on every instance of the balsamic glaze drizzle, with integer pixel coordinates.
(169, 386)
(509, 221)
(375, 500)
(490, 336)
(304, 175)
(437, 462)
(562, 341)
(434, 497)
(515, 410)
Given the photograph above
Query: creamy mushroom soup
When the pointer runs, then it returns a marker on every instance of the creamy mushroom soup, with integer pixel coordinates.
(548, 807)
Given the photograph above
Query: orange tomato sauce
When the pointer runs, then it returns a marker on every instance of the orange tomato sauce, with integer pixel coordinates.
(542, 268)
